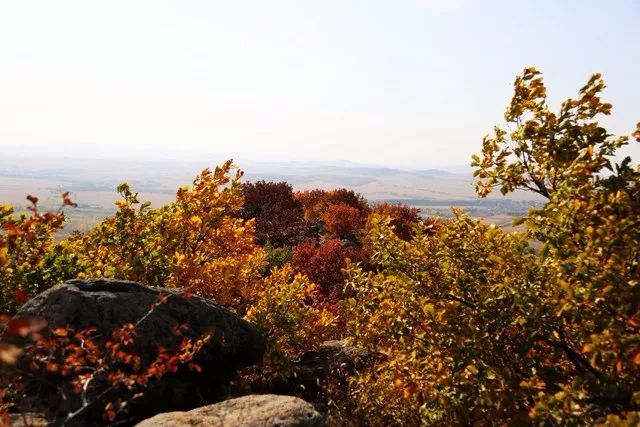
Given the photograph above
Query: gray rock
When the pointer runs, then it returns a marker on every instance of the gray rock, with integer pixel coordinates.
(108, 304)
(258, 410)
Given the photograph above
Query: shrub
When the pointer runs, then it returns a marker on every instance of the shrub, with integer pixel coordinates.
(342, 221)
(278, 216)
(26, 244)
(403, 218)
(85, 377)
(446, 312)
(289, 313)
(199, 242)
(316, 201)
(323, 263)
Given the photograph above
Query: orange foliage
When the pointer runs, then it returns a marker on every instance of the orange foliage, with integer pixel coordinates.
(403, 218)
(71, 363)
(323, 263)
(199, 242)
(343, 221)
(82, 371)
(315, 202)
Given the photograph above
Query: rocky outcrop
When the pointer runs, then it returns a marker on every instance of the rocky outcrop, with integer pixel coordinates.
(259, 410)
(108, 304)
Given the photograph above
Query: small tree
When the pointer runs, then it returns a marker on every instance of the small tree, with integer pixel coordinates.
(590, 230)
(545, 150)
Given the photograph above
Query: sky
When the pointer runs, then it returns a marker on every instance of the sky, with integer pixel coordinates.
(403, 82)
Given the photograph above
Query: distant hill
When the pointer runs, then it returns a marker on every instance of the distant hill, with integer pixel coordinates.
(92, 184)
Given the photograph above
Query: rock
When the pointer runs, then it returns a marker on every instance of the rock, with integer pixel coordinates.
(258, 410)
(108, 304)
(27, 419)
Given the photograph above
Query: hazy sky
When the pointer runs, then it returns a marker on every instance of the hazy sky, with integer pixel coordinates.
(414, 82)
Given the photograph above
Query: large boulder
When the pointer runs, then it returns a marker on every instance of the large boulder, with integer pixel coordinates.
(108, 304)
(258, 410)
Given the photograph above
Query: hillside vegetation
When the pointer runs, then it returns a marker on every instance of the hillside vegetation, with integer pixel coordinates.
(464, 323)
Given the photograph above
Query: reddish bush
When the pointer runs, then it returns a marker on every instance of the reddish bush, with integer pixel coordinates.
(323, 263)
(403, 218)
(309, 200)
(343, 221)
(349, 198)
(315, 202)
(278, 216)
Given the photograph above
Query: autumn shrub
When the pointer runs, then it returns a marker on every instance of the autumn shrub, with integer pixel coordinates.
(199, 241)
(349, 198)
(278, 216)
(293, 319)
(403, 218)
(323, 263)
(26, 259)
(82, 372)
(316, 201)
(342, 221)
(311, 201)
(590, 234)
(447, 313)
(276, 258)
(124, 246)
(84, 376)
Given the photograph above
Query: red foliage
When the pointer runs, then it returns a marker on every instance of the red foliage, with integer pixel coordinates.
(278, 216)
(403, 218)
(323, 263)
(315, 202)
(309, 199)
(343, 221)
(349, 198)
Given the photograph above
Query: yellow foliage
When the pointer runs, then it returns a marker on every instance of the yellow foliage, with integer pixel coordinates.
(286, 311)
(197, 242)
(444, 312)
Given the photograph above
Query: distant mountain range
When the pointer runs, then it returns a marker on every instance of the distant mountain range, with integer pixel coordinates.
(92, 183)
